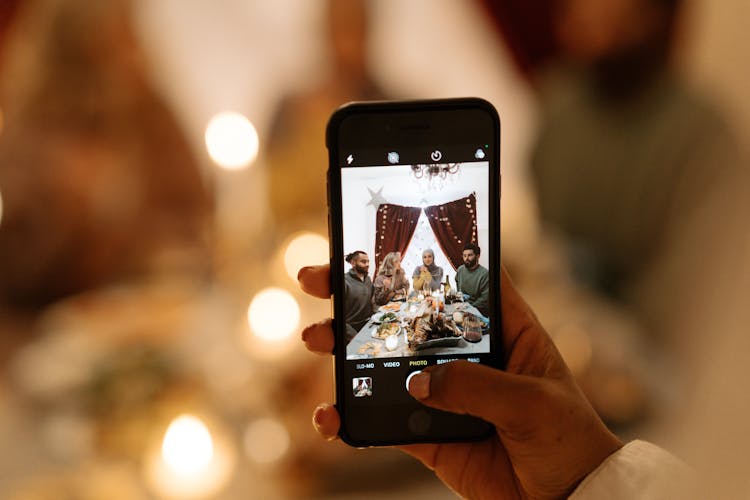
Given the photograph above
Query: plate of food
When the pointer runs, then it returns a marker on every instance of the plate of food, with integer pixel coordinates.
(390, 306)
(384, 330)
(432, 330)
(387, 317)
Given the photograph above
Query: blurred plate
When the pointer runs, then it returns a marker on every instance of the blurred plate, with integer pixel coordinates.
(394, 331)
(390, 307)
(375, 318)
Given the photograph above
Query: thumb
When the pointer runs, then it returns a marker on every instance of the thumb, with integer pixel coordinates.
(498, 397)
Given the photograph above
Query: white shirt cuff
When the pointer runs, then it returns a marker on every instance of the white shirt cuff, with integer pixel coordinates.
(638, 470)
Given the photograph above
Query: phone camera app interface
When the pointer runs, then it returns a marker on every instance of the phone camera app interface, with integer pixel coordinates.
(416, 260)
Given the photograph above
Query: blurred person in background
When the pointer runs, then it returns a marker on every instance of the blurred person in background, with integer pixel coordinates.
(641, 185)
(296, 164)
(640, 174)
(103, 239)
(297, 158)
(99, 184)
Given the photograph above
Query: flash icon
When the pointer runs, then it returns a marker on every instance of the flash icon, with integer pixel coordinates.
(349, 159)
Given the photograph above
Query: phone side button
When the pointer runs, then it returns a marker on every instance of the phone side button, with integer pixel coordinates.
(419, 422)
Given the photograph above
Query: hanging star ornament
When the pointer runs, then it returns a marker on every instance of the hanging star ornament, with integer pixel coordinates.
(376, 197)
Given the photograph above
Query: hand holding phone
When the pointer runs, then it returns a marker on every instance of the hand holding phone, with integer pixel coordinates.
(413, 188)
(547, 436)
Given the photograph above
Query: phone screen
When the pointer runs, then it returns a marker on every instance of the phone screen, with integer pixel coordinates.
(419, 246)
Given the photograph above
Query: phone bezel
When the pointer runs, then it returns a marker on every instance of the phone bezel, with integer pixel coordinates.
(376, 124)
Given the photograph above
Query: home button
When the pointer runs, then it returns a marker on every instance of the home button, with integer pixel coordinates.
(419, 422)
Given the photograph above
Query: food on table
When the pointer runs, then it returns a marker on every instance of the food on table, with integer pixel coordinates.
(388, 317)
(431, 326)
(458, 317)
(391, 306)
(373, 349)
(414, 310)
(386, 329)
(365, 347)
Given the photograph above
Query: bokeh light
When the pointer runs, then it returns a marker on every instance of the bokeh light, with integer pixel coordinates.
(266, 440)
(305, 249)
(187, 447)
(193, 460)
(273, 314)
(231, 140)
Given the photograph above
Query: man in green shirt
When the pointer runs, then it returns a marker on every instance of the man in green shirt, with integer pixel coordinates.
(474, 280)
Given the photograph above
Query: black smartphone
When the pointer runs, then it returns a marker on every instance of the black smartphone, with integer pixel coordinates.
(414, 222)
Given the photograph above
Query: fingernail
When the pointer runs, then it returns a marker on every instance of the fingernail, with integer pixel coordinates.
(318, 417)
(419, 386)
(302, 271)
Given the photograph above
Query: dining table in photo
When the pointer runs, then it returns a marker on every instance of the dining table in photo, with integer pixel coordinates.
(421, 326)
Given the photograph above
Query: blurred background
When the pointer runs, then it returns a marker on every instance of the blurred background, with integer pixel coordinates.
(162, 180)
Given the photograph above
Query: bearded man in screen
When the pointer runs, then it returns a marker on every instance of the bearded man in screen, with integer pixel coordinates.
(358, 293)
(474, 280)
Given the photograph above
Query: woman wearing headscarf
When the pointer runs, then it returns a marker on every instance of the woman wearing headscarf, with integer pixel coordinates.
(391, 281)
(428, 273)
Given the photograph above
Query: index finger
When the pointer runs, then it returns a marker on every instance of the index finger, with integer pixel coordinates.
(316, 280)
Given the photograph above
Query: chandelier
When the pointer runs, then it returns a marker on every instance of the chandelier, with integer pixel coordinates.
(435, 170)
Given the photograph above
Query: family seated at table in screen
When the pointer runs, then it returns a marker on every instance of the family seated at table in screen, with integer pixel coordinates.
(474, 280)
(391, 283)
(358, 293)
(428, 274)
(361, 295)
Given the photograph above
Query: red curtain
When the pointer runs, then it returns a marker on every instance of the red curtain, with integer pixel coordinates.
(454, 224)
(527, 27)
(394, 228)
